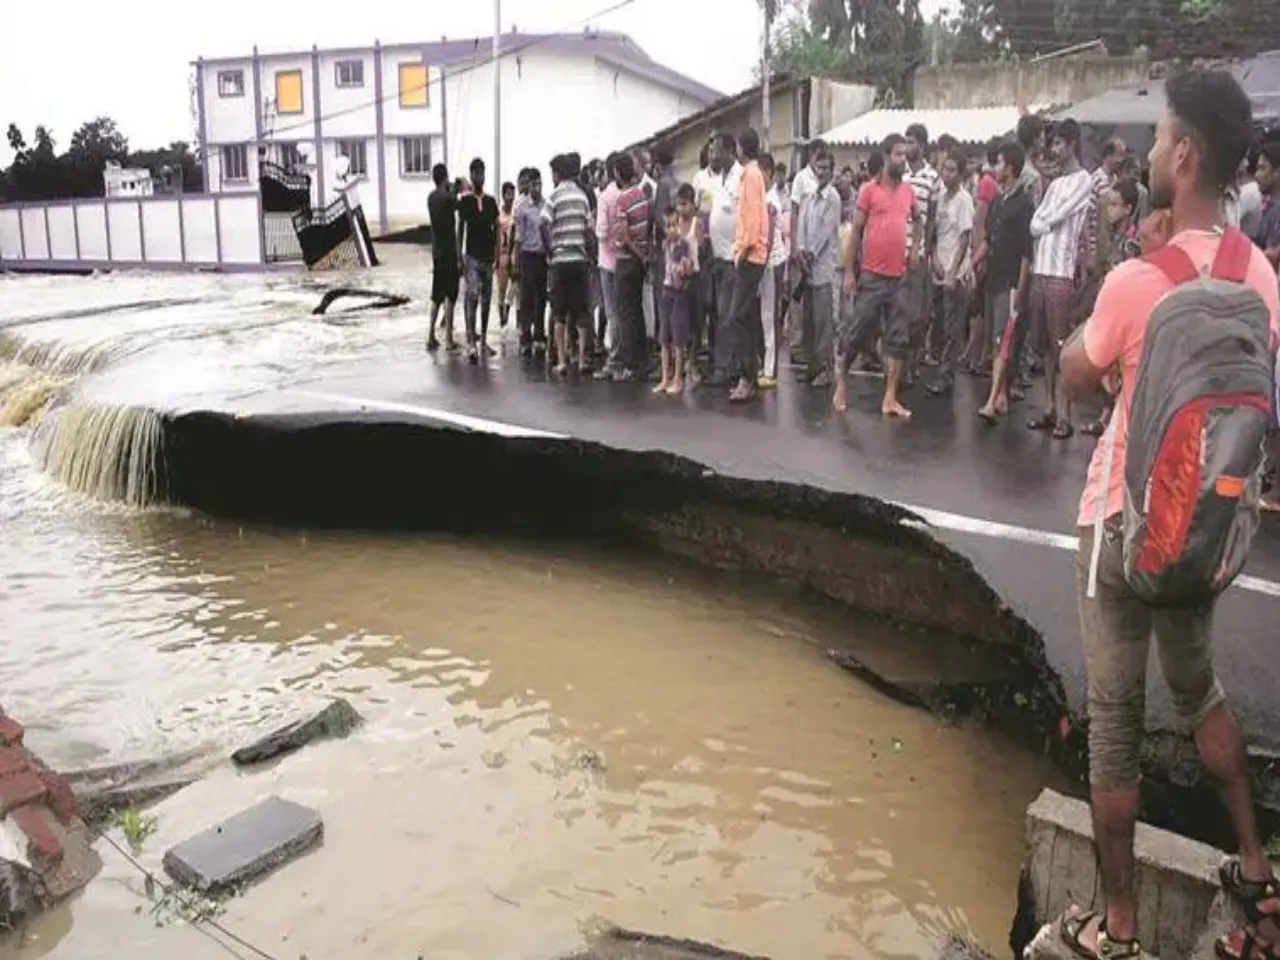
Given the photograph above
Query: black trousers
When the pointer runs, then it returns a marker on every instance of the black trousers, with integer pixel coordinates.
(533, 297)
(744, 322)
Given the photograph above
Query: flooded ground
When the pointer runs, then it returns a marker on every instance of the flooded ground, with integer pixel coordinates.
(554, 740)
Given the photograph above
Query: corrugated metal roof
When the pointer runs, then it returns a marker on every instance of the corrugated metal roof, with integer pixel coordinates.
(971, 125)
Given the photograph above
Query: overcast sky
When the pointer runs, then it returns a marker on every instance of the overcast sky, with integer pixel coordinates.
(82, 58)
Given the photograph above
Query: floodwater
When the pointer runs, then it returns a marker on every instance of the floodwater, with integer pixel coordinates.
(554, 740)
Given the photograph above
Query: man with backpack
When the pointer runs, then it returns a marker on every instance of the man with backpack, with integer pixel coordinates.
(1184, 337)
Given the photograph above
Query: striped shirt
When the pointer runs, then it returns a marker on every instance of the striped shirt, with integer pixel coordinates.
(926, 185)
(568, 212)
(632, 229)
(1058, 222)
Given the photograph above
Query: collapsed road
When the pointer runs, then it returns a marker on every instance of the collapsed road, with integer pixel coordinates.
(959, 534)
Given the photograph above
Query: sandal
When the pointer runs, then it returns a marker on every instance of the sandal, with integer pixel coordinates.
(1250, 894)
(1063, 430)
(1043, 421)
(1094, 428)
(1071, 926)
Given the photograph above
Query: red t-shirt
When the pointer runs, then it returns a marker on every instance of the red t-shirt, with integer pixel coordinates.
(987, 189)
(884, 238)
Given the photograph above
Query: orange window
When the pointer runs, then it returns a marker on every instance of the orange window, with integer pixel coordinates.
(413, 85)
(289, 91)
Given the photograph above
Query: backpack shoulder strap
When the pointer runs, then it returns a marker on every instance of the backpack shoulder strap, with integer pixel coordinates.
(1174, 262)
(1234, 255)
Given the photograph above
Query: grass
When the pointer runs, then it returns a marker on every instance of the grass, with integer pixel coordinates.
(136, 827)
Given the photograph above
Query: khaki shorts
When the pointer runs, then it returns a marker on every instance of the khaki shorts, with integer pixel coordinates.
(1117, 628)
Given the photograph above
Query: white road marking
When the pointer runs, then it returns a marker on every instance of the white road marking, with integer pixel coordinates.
(953, 522)
(476, 424)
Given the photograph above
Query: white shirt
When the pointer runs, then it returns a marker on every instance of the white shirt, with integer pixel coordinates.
(803, 185)
(724, 211)
(703, 189)
(778, 252)
(1057, 223)
(926, 184)
(955, 213)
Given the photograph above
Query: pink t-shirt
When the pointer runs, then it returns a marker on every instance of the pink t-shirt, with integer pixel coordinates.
(1115, 331)
(606, 226)
(884, 238)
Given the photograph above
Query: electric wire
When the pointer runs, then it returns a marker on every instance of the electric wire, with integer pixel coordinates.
(202, 924)
(503, 52)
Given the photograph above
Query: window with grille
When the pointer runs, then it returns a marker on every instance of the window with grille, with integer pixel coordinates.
(235, 163)
(354, 151)
(231, 83)
(349, 73)
(415, 156)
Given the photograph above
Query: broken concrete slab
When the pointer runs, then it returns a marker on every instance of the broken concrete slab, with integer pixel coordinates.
(335, 719)
(1179, 904)
(244, 847)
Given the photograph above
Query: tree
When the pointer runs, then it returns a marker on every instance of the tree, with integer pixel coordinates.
(878, 42)
(38, 172)
(1166, 28)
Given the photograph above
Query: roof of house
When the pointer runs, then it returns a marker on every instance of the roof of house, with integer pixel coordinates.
(969, 125)
(612, 47)
(717, 107)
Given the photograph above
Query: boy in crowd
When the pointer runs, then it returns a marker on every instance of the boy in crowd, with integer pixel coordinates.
(951, 267)
(478, 244)
(817, 240)
(442, 207)
(1008, 266)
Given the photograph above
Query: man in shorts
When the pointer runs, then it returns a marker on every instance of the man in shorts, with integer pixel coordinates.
(568, 224)
(1057, 229)
(1198, 146)
(442, 208)
(882, 301)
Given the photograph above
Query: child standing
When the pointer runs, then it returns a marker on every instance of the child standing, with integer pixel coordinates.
(677, 291)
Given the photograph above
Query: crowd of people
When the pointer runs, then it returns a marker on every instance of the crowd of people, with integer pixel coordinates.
(1157, 286)
(930, 260)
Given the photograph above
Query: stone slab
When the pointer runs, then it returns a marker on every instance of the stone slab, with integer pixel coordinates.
(335, 719)
(244, 847)
(1180, 909)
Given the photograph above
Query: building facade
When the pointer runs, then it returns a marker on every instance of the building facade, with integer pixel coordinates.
(394, 111)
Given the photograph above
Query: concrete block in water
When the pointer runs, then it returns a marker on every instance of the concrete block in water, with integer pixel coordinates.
(1177, 881)
(244, 847)
(337, 719)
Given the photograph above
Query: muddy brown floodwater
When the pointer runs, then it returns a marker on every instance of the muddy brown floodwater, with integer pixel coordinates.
(553, 740)
(556, 738)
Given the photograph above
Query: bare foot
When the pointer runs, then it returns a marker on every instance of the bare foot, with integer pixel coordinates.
(660, 388)
(989, 413)
(675, 389)
(839, 403)
(896, 410)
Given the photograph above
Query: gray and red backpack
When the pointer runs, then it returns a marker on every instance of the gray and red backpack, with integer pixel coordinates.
(1198, 426)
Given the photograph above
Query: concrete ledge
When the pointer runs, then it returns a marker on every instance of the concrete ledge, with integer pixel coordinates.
(1180, 908)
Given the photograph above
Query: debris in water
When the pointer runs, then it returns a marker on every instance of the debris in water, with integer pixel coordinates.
(244, 847)
(618, 944)
(21, 894)
(337, 719)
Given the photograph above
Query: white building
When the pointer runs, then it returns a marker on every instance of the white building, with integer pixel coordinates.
(396, 110)
(118, 181)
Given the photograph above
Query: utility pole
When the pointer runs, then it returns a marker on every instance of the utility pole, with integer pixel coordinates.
(496, 176)
(770, 10)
